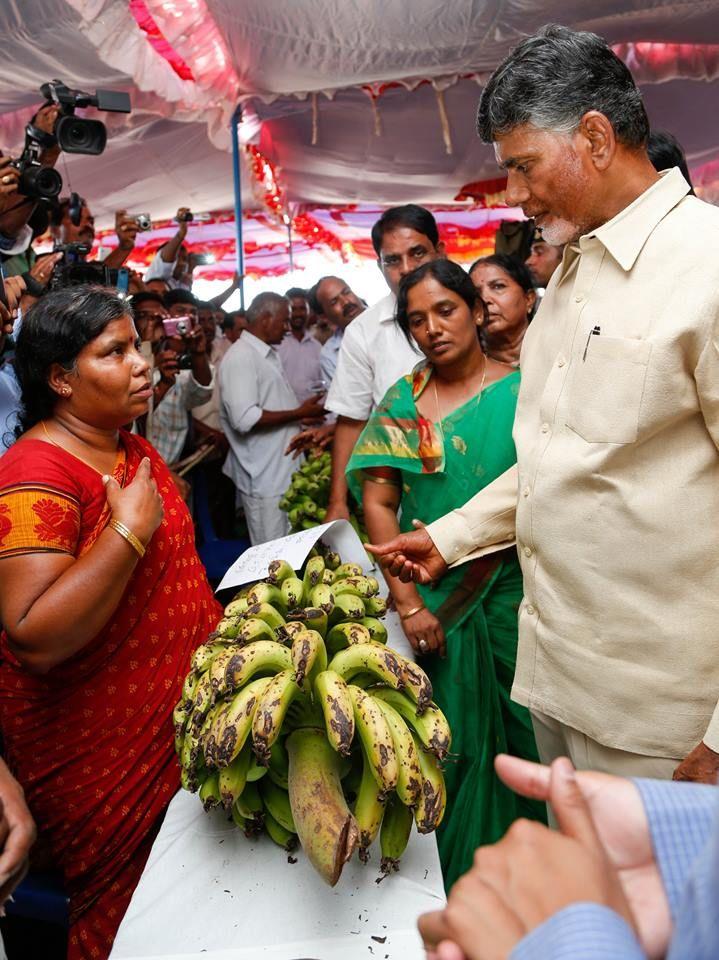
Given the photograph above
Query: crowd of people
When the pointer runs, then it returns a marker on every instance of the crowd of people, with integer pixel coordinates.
(533, 442)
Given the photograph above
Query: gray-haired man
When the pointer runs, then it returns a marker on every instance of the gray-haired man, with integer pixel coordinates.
(615, 497)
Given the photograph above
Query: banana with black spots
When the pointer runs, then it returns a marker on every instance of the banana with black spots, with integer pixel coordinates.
(343, 635)
(394, 834)
(368, 808)
(332, 693)
(265, 611)
(233, 778)
(233, 725)
(271, 711)
(409, 779)
(309, 657)
(431, 726)
(347, 607)
(376, 738)
(291, 590)
(262, 656)
(429, 811)
(278, 571)
(372, 658)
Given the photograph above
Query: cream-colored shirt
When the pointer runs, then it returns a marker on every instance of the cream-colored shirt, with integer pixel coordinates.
(614, 502)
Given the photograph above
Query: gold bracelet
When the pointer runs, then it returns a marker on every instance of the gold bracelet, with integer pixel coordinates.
(373, 479)
(125, 532)
(411, 613)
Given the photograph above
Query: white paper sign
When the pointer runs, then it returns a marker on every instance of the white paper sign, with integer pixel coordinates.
(252, 565)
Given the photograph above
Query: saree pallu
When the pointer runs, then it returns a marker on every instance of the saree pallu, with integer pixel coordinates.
(91, 741)
(442, 465)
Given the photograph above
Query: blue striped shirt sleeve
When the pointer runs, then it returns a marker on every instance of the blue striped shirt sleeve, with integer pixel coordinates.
(583, 931)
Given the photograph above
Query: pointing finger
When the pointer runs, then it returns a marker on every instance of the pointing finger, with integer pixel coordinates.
(570, 808)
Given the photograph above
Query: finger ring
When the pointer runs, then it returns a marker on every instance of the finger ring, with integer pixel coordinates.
(423, 645)
(7, 179)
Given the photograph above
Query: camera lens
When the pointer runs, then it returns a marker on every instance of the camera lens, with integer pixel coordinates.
(40, 182)
(182, 327)
(77, 135)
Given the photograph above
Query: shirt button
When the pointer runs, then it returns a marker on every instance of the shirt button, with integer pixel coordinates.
(526, 492)
(561, 361)
(527, 551)
(579, 297)
(545, 428)
(530, 610)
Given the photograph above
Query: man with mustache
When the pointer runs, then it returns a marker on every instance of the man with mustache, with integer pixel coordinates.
(613, 501)
(331, 297)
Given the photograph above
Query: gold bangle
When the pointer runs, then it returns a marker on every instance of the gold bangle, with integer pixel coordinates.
(373, 479)
(125, 532)
(411, 613)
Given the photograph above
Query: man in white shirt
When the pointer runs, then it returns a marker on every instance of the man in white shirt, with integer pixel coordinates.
(260, 414)
(613, 500)
(299, 351)
(374, 352)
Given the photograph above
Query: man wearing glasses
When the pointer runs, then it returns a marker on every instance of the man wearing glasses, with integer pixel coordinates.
(375, 353)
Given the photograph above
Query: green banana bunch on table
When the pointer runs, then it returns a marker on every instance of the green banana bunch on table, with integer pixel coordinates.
(305, 500)
(299, 720)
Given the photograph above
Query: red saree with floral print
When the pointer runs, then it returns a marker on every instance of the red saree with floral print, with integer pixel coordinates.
(91, 741)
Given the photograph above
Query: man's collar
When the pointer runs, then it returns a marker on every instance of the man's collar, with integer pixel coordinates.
(259, 345)
(626, 233)
(390, 304)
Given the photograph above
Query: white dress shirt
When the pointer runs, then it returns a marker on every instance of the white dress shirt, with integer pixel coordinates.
(330, 355)
(252, 379)
(615, 498)
(374, 355)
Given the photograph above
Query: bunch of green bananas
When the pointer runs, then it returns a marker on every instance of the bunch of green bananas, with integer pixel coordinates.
(305, 500)
(301, 721)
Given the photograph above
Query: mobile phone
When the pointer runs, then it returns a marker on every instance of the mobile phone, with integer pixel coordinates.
(202, 259)
(177, 326)
(123, 282)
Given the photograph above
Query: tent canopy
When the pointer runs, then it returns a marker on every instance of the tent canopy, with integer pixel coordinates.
(368, 102)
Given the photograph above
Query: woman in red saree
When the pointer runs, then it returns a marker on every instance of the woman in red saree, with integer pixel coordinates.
(97, 637)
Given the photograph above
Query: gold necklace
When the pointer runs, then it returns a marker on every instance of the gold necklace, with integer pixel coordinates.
(436, 395)
(61, 447)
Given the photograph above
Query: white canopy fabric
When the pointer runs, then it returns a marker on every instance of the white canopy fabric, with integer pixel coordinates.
(312, 76)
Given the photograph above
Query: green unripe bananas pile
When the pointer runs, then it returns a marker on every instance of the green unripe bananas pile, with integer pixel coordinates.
(299, 719)
(305, 500)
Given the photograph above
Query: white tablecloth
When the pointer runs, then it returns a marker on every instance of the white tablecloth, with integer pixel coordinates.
(208, 893)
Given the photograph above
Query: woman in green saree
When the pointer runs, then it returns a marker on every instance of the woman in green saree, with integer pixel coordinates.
(439, 436)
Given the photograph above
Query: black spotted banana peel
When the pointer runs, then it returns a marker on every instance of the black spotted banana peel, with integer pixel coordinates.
(333, 561)
(277, 802)
(265, 611)
(377, 630)
(189, 756)
(233, 778)
(376, 607)
(204, 655)
(314, 568)
(309, 657)
(283, 838)
(343, 635)
(409, 777)
(368, 808)
(291, 590)
(233, 725)
(333, 696)
(267, 593)
(254, 629)
(376, 738)
(321, 596)
(429, 811)
(326, 828)
(262, 656)
(210, 791)
(271, 712)
(206, 737)
(249, 805)
(328, 577)
(228, 627)
(371, 658)
(189, 686)
(278, 571)
(290, 630)
(312, 617)
(431, 727)
(345, 570)
(364, 587)
(218, 671)
(236, 608)
(202, 701)
(347, 608)
(394, 834)
(419, 687)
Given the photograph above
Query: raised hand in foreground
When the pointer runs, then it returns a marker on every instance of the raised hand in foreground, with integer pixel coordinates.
(411, 556)
(602, 854)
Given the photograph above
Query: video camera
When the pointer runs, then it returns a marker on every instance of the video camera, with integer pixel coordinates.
(73, 269)
(72, 134)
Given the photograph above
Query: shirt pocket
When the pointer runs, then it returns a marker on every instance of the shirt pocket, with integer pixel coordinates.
(606, 390)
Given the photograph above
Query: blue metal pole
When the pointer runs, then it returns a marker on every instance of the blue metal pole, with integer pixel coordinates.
(239, 248)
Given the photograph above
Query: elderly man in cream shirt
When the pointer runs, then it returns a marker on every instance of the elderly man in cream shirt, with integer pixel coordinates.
(614, 502)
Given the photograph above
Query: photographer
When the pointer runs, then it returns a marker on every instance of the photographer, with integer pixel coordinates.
(172, 262)
(81, 229)
(183, 377)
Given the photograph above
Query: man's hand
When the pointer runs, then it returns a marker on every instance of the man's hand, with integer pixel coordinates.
(166, 363)
(196, 340)
(126, 230)
(311, 408)
(621, 823)
(318, 438)
(411, 556)
(337, 510)
(508, 892)
(9, 178)
(700, 766)
(182, 224)
(17, 833)
(45, 120)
